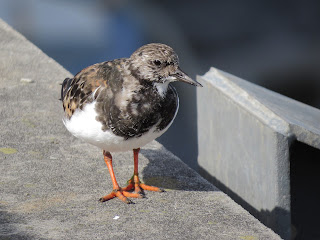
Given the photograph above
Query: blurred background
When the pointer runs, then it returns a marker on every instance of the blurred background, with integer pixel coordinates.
(275, 44)
(272, 43)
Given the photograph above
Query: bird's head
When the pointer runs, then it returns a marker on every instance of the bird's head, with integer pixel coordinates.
(158, 63)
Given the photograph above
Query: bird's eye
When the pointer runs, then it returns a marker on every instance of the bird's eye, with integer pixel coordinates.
(157, 62)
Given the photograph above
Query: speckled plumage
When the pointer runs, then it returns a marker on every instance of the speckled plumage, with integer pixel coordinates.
(127, 92)
(123, 104)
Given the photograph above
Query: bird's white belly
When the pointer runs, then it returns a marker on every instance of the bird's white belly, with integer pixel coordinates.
(83, 125)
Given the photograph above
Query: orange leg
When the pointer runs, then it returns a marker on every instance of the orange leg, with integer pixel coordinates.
(117, 191)
(134, 182)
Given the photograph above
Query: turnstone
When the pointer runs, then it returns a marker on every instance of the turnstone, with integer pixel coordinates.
(123, 104)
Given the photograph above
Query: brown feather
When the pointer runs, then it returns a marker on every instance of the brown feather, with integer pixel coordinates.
(83, 85)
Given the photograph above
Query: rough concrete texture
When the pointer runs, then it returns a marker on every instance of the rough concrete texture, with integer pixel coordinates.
(299, 121)
(242, 155)
(244, 135)
(51, 182)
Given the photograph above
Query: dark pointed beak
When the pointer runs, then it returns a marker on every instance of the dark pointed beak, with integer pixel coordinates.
(182, 77)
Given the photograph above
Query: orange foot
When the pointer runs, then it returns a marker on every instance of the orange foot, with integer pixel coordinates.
(122, 195)
(138, 187)
(133, 184)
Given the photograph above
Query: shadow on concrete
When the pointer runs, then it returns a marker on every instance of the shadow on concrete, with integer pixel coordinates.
(266, 217)
(162, 172)
(305, 195)
(8, 223)
(305, 191)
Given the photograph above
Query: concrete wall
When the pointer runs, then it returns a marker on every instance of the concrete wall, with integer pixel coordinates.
(244, 138)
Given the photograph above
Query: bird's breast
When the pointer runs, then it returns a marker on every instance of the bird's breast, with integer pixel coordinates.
(122, 134)
(145, 110)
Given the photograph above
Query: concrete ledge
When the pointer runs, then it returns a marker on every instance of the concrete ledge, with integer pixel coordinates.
(246, 135)
(51, 182)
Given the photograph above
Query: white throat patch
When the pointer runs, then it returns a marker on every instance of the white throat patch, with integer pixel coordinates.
(162, 87)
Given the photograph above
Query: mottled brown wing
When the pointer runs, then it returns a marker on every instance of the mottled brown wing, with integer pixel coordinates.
(78, 91)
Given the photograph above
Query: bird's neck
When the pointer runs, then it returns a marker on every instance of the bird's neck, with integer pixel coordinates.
(161, 88)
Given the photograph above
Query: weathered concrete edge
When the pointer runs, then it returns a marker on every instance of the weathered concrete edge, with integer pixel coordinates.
(221, 81)
(225, 82)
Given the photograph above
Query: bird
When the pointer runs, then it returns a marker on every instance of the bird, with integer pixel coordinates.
(123, 104)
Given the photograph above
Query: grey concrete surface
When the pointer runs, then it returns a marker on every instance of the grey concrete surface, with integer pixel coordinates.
(50, 182)
(300, 120)
(245, 133)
